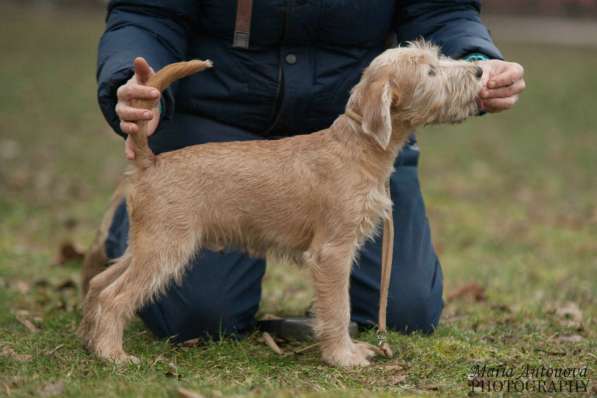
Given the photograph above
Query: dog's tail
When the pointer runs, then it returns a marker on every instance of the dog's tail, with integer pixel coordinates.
(144, 157)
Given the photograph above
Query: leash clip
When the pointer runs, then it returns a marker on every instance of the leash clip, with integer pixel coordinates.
(381, 337)
(383, 347)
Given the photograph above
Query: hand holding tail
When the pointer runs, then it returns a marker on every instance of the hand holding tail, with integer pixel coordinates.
(138, 104)
(131, 117)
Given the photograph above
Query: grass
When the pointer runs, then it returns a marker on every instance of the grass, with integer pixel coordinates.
(511, 198)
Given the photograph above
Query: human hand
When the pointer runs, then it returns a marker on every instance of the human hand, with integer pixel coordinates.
(503, 82)
(130, 116)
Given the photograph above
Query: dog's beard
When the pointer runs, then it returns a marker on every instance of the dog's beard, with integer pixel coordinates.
(462, 104)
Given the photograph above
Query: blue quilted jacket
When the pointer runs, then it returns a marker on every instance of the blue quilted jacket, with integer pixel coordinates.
(304, 55)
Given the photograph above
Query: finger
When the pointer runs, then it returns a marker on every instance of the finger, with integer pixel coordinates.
(504, 92)
(130, 114)
(129, 127)
(128, 150)
(142, 70)
(499, 104)
(128, 92)
(512, 74)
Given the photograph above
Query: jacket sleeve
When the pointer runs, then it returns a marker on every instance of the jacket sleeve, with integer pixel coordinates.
(454, 25)
(154, 29)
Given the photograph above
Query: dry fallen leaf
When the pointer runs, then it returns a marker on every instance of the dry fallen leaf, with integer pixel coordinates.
(305, 349)
(42, 283)
(173, 371)
(393, 373)
(68, 252)
(54, 350)
(268, 339)
(12, 382)
(502, 308)
(22, 316)
(396, 379)
(574, 338)
(184, 393)
(10, 353)
(158, 359)
(66, 284)
(550, 352)
(22, 287)
(473, 289)
(393, 368)
(52, 389)
(570, 314)
(569, 310)
(430, 387)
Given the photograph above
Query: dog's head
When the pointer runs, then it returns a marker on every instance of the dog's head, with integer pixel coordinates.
(412, 86)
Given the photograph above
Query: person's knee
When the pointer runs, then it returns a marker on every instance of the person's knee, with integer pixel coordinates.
(216, 298)
(415, 313)
(216, 319)
(203, 319)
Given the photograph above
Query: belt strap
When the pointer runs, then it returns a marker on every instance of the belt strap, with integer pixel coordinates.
(242, 27)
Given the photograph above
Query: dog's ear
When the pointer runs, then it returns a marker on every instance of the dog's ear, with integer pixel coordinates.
(376, 108)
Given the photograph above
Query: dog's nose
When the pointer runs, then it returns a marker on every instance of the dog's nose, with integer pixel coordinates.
(479, 72)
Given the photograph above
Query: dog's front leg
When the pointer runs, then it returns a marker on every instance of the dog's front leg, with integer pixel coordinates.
(330, 266)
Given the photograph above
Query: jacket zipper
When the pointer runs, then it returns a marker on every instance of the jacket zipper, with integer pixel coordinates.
(279, 91)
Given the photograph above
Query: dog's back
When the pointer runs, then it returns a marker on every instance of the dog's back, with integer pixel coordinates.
(237, 194)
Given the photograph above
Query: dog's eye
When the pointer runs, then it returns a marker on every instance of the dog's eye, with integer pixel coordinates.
(431, 71)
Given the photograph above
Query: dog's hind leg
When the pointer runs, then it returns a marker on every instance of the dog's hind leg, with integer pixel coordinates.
(330, 265)
(96, 286)
(89, 329)
(149, 272)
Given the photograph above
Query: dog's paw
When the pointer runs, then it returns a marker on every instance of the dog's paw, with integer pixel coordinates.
(111, 354)
(121, 358)
(127, 359)
(354, 354)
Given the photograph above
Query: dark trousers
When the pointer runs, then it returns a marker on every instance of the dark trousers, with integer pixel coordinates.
(220, 292)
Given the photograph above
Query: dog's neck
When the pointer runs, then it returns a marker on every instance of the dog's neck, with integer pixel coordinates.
(378, 161)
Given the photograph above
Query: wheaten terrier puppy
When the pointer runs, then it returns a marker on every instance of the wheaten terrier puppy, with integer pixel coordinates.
(312, 198)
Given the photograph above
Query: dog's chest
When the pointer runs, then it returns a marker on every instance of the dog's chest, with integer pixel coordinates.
(376, 205)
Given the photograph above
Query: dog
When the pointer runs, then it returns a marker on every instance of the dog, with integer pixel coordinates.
(314, 199)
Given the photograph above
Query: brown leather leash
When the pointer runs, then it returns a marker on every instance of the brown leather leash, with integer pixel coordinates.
(387, 252)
